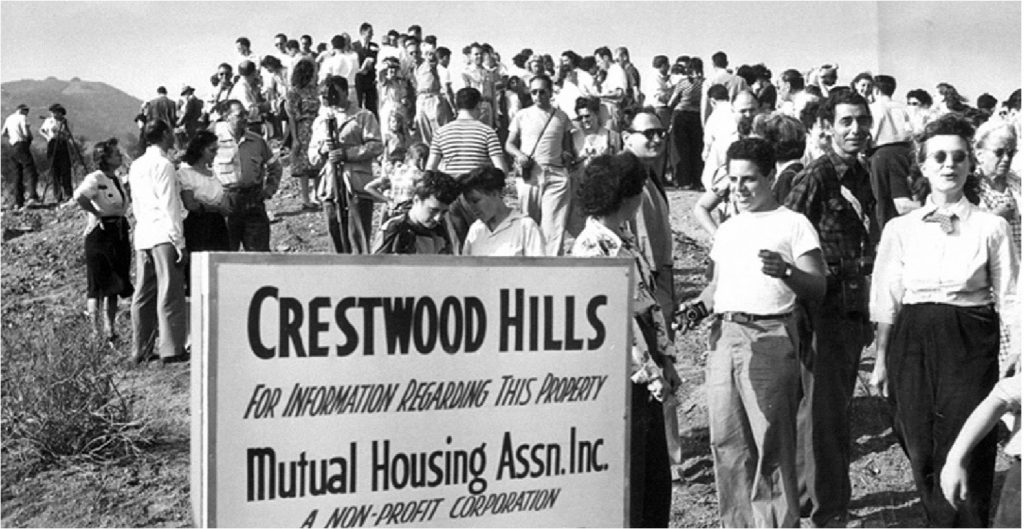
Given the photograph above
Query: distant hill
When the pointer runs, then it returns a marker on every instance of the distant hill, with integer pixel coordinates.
(96, 110)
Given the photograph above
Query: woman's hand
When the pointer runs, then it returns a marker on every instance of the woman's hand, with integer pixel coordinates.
(880, 378)
(954, 482)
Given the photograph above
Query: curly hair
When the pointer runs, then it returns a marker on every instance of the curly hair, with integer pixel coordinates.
(840, 96)
(103, 150)
(754, 150)
(786, 134)
(608, 181)
(950, 125)
(303, 73)
(438, 185)
(196, 146)
(485, 179)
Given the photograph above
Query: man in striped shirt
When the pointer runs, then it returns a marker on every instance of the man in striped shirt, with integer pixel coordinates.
(461, 146)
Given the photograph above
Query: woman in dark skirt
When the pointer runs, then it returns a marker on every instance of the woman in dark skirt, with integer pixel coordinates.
(944, 275)
(108, 252)
(206, 229)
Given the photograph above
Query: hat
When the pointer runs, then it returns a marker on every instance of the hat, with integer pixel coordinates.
(186, 89)
(22, 106)
(56, 107)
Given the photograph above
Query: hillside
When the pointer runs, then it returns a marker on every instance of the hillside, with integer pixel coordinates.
(96, 110)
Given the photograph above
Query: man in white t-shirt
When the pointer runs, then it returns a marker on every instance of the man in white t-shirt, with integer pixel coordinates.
(765, 260)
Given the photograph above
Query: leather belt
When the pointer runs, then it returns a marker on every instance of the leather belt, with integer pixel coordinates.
(743, 317)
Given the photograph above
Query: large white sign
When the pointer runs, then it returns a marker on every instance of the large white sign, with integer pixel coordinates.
(342, 391)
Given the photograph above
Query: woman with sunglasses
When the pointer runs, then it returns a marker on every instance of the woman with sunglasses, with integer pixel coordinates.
(940, 272)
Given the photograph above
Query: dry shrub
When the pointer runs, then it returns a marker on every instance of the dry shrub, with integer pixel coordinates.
(60, 398)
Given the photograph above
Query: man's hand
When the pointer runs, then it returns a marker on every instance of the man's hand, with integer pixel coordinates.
(772, 264)
(181, 255)
(522, 160)
(657, 389)
(336, 155)
(880, 379)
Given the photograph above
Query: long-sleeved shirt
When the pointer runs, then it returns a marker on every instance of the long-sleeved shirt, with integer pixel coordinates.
(245, 162)
(358, 132)
(918, 262)
(16, 128)
(156, 199)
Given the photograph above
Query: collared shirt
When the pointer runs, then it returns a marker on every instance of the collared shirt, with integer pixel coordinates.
(54, 129)
(656, 89)
(890, 123)
(783, 183)
(245, 162)
(586, 83)
(734, 83)
(343, 64)
(246, 94)
(516, 235)
(157, 201)
(537, 135)
(357, 132)
(596, 240)
(816, 193)
(17, 129)
(201, 182)
(918, 262)
(106, 195)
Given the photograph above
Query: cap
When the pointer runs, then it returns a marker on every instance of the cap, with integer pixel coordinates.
(186, 89)
(22, 106)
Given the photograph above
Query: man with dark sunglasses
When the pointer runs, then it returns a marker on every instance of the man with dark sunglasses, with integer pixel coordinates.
(540, 142)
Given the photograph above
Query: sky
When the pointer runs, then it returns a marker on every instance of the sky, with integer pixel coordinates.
(137, 46)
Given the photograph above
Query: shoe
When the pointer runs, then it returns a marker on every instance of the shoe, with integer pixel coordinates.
(309, 206)
(31, 203)
(179, 359)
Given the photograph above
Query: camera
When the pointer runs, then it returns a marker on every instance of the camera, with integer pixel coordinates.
(690, 314)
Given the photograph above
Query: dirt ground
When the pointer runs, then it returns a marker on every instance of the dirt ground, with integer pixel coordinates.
(42, 281)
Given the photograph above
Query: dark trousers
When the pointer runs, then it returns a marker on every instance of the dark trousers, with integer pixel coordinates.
(823, 418)
(942, 362)
(60, 170)
(367, 97)
(24, 169)
(688, 139)
(356, 239)
(890, 178)
(650, 483)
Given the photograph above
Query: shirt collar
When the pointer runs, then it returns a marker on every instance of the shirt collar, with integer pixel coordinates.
(841, 165)
(962, 209)
(507, 221)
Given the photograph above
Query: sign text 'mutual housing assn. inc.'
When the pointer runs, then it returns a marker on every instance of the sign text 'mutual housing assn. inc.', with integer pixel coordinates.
(341, 391)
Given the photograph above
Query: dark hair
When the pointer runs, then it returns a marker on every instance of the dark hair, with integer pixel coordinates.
(246, 68)
(337, 42)
(334, 89)
(519, 60)
(950, 125)
(718, 92)
(230, 68)
(1013, 102)
(592, 104)
(603, 51)
(755, 150)
(281, 36)
(588, 63)
(430, 39)
(841, 96)
(574, 58)
(608, 181)
(746, 72)
(365, 26)
(101, 151)
(767, 97)
(303, 73)
(161, 90)
(678, 68)
(886, 84)
(720, 60)
(467, 98)
(683, 59)
(809, 114)
(307, 37)
(196, 146)
(794, 78)
(659, 60)
(485, 179)
(438, 185)
(542, 77)
(415, 27)
(762, 72)
(987, 101)
(695, 65)
(443, 52)
(155, 130)
(291, 45)
(243, 41)
(786, 134)
(860, 77)
(271, 63)
(813, 90)
(393, 33)
(411, 41)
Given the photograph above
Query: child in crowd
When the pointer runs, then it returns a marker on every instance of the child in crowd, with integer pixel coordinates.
(395, 187)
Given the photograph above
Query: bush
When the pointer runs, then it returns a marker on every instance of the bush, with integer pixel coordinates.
(61, 398)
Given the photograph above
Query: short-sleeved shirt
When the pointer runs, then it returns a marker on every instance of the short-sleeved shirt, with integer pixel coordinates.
(531, 124)
(464, 145)
(106, 194)
(366, 80)
(742, 286)
(517, 235)
(201, 182)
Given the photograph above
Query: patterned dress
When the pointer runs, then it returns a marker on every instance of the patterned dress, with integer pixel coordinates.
(1005, 204)
(302, 105)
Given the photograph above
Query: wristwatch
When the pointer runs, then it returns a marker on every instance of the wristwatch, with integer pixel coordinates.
(788, 272)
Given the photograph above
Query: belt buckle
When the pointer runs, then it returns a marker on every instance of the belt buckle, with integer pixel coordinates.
(738, 317)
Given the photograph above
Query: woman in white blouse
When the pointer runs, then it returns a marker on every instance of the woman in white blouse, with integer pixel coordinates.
(206, 229)
(108, 251)
(499, 231)
(941, 273)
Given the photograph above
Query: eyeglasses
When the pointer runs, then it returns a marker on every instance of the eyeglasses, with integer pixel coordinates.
(651, 134)
(939, 157)
(1009, 153)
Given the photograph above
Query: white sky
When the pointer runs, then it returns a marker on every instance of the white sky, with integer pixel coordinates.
(137, 46)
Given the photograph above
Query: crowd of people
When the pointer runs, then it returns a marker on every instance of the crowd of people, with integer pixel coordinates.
(839, 216)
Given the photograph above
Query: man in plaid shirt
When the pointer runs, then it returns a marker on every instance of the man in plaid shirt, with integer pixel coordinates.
(834, 192)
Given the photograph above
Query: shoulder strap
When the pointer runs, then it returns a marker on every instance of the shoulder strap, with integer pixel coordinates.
(541, 135)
